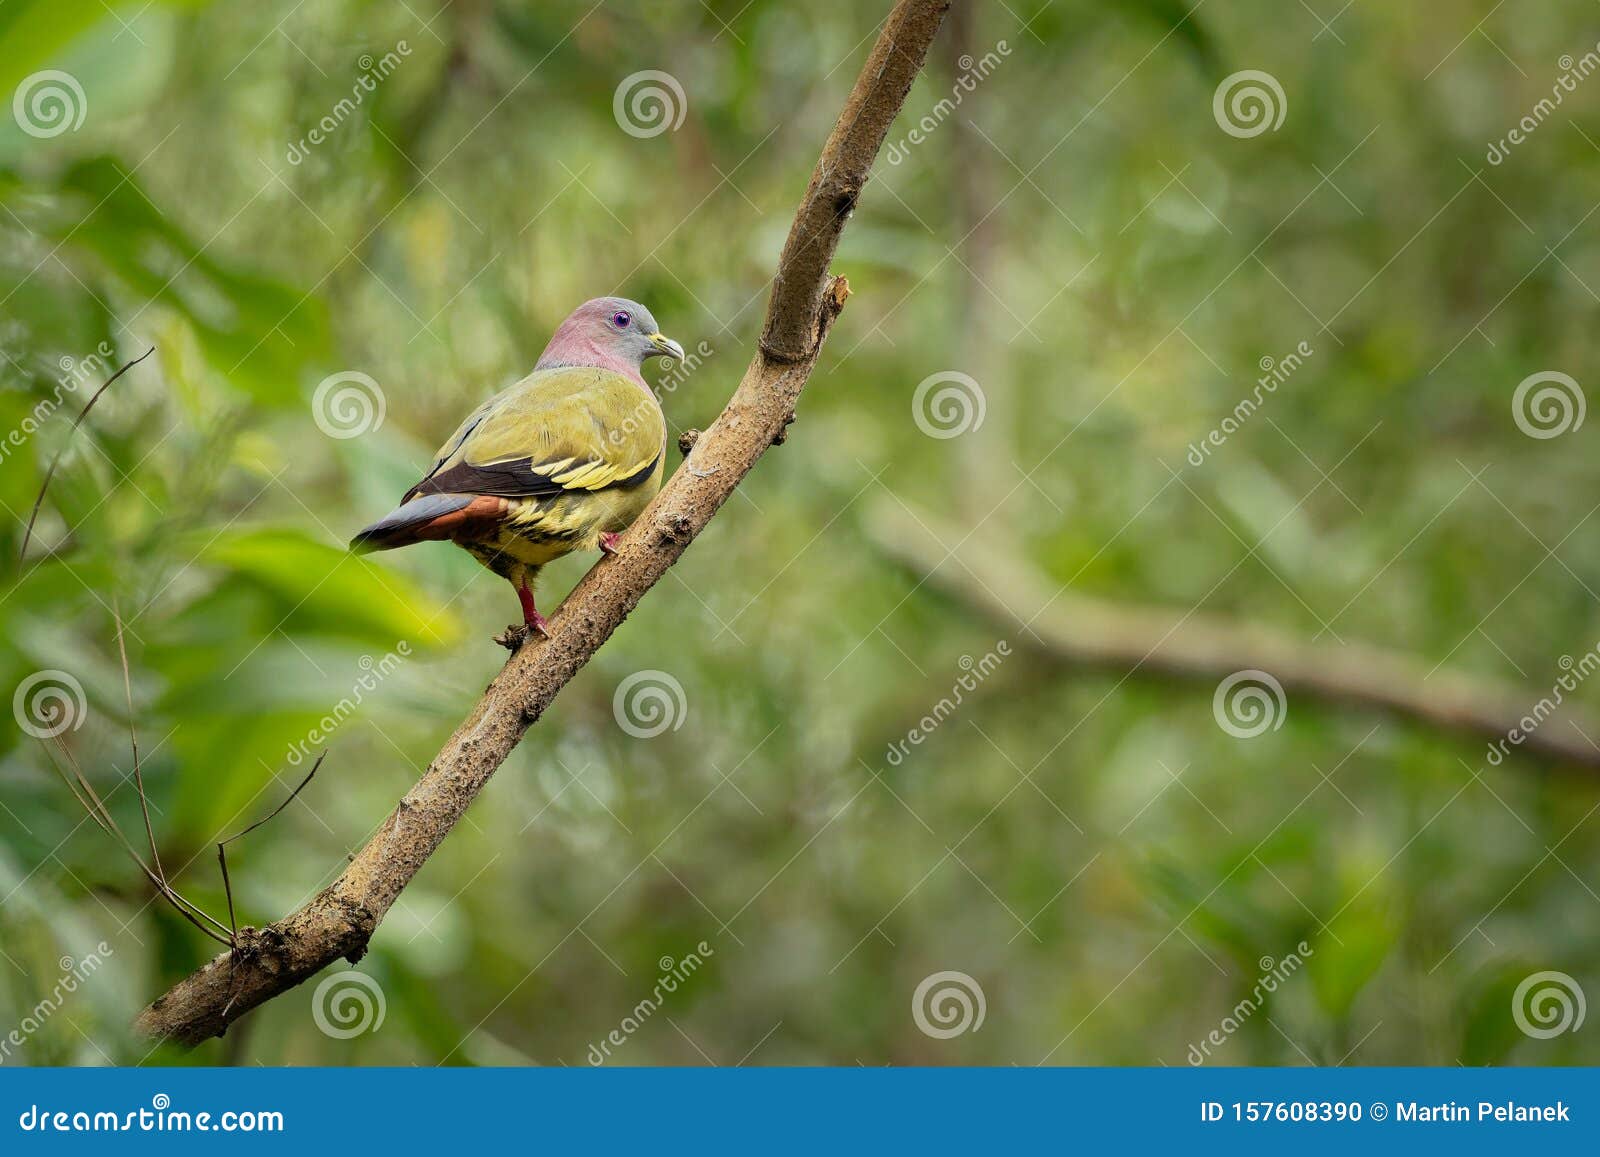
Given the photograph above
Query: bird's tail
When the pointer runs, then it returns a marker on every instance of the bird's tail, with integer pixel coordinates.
(426, 517)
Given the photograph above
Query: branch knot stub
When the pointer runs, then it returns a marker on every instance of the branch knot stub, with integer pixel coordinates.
(674, 526)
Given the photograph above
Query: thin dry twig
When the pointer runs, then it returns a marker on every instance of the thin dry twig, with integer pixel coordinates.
(83, 791)
(133, 740)
(222, 845)
(92, 803)
(50, 472)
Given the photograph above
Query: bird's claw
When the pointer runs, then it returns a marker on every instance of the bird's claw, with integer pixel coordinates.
(608, 541)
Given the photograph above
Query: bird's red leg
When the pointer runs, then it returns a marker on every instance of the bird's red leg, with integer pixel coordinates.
(608, 541)
(530, 613)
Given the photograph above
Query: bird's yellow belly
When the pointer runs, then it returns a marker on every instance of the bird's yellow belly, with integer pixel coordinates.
(541, 531)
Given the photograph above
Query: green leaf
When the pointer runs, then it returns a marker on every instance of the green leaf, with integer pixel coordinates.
(325, 589)
(1349, 952)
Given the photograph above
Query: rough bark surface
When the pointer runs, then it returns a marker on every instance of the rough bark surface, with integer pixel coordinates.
(340, 920)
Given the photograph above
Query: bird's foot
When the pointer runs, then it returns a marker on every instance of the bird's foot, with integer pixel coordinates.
(608, 541)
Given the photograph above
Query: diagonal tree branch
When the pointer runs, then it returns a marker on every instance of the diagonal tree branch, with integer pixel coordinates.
(339, 920)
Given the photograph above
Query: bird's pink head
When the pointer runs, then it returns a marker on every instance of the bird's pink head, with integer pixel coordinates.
(610, 333)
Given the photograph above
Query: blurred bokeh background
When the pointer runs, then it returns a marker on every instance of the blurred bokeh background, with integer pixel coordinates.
(1105, 252)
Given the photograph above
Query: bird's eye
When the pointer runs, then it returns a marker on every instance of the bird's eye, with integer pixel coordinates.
(620, 319)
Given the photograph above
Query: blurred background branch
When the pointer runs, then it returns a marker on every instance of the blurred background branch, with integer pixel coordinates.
(1077, 630)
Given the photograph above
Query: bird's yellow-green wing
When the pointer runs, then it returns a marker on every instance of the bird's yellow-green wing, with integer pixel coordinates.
(558, 431)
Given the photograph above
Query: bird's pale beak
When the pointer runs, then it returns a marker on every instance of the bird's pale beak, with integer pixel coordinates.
(667, 346)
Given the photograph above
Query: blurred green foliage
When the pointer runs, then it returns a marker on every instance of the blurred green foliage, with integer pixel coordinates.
(1082, 238)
